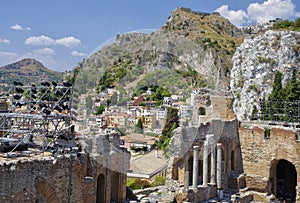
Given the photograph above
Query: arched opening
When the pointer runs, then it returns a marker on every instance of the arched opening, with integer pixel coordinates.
(232, 161)
(114, 187)
(286, 180)
(100, 189)
(190, 168)
(202, 111)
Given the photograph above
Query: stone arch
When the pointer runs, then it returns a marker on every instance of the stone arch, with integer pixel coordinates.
(201, 111)
(232, 161)
(101, 189)
(283, 179)
(114, 186)
(45, 189)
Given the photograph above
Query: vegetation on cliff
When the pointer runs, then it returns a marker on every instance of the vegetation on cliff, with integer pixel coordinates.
(288, 25)
(172, 122)
(28, 71)
(192, 49)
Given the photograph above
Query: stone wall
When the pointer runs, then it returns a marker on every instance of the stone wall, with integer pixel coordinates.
(262, 152)
(46, 179)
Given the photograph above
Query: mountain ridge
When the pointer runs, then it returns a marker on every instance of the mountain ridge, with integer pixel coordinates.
(28, 71)
(191, 45)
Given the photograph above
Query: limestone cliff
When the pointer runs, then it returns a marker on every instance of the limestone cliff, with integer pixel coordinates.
(255, 63)
(191, 49)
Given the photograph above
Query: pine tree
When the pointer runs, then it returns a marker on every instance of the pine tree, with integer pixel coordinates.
(139, 124)
(291, 91)
(276, 93)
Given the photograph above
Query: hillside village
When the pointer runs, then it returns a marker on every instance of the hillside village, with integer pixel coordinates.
(118, 118)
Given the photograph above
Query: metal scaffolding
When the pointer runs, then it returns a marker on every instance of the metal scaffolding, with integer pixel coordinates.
(37, 116)
(279, 110)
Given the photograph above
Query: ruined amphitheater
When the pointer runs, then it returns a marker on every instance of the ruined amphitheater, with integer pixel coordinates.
(219, 158)
(213, 158)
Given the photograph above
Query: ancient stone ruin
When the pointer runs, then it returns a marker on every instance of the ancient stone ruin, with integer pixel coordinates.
(218, 157)
(43, 159)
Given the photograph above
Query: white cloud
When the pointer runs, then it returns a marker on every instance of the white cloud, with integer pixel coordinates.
(4, 41)
(68, 41)
(238, 17)
(28, 28)
(45, 51)
(8, 57)
(260, 13)
(76, 53)
(40, 40)
(16, 27)
(270, 10)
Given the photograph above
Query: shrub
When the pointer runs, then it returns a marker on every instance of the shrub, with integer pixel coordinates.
(159, 180)
(135, 184)
(267, 132)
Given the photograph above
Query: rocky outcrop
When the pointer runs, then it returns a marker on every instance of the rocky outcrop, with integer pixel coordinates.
(195, 48)
(255, 63)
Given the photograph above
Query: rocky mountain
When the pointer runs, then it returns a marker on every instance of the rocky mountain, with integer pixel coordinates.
(27, 71)
(255, 63)
(192, 49)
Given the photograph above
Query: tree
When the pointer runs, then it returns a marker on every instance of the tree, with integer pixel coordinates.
(291, 91)
(297, 23)
(139, 126)
(100, 110)
(282, 102)
(160, 93)
(277, 87)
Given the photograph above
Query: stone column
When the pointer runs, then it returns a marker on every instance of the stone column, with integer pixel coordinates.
(205, 163)
(219, 171)
(186, 180)
(195, 166)
(213, 166)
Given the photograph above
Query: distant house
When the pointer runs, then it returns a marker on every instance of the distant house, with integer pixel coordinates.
(161, 113)
(147, 116)
(176, 97)
(185, 110)
(148, 166)
(178, 104)
(118, 118)
(138, 100)
(168, 101)
(137, 141)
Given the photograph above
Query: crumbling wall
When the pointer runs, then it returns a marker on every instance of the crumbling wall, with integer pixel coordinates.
(261, 150)
(209, 105)
(46, 179)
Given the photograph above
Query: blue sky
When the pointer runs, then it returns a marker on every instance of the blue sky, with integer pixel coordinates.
(61, 33)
